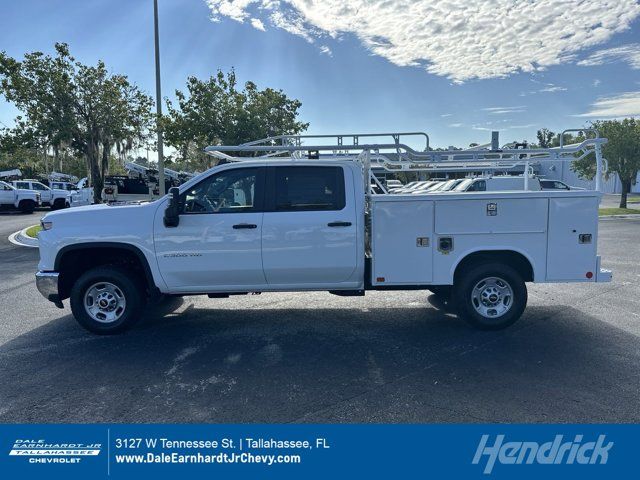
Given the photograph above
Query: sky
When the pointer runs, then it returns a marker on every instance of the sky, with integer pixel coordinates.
(456, 69)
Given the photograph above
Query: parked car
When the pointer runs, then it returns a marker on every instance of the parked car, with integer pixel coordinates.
(12, 198)
(556, 185)
(413, 186)
(498, 183)
(392, 184)
(442, 186)
(427, 186)
(50, 197)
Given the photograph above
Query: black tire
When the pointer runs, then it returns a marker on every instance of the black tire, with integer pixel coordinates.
(58, 204)
(469, 308)
(27, 206)
(128, 286)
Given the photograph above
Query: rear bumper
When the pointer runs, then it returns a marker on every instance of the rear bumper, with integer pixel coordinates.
(602, 274)
(47, 283)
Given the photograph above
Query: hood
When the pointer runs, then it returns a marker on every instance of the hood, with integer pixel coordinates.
(101, 212)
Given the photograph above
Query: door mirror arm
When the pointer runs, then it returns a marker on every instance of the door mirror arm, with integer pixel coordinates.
(172, 212)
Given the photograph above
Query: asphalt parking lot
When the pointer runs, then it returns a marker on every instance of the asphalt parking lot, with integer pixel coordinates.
(314, 357)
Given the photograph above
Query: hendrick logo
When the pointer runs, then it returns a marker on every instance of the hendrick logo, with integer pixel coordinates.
(554, 452)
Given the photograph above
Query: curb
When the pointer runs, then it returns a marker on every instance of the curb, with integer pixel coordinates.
(22, 239)
(624, 215)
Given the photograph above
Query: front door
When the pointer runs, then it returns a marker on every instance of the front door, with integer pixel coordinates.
(7, 195)
(309, 228)
(216, 245)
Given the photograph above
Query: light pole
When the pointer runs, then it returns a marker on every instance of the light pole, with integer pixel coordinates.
(158, 101)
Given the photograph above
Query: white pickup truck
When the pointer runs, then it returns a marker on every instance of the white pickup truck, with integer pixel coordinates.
(13, 199)
(51, 197)
(305, 223)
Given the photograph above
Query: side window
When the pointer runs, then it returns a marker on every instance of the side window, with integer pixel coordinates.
(230, 191)
(22, 185)
(481, 186)
(309, 188)
(39, 186)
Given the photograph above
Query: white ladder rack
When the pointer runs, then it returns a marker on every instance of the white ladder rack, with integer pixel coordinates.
(396, 156)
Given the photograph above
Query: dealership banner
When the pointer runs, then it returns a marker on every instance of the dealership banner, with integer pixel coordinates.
(317, 451)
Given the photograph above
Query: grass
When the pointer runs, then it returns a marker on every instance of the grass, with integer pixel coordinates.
(618, 211)
(33, 231)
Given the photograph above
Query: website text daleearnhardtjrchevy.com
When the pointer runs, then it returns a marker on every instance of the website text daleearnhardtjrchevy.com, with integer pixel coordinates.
(219, 458)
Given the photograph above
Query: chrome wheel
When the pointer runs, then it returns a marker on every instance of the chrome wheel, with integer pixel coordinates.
(104, 302)
(492, 297)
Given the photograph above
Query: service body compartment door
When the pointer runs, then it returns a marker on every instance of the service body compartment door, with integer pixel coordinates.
(402, 247)
(571, 253)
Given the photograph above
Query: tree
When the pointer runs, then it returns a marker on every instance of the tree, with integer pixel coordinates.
(215, 111)
(622, 152)
(545, 137)
(70, 105)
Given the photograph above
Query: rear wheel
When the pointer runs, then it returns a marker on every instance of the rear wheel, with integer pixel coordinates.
(58, 204)
(107, 300)
(490, 296)
(27, 206)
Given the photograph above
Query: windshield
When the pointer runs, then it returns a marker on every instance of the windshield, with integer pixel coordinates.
(462, 186)
(6, 186)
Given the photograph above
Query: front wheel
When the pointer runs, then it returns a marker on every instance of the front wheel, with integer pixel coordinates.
(490, 296)
(27, 206)
(107, 300)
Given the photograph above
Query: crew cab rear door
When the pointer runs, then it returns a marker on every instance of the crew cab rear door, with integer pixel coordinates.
(309, 231)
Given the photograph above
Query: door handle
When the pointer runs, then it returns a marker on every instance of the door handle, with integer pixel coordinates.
(339, 224)
(244, 225)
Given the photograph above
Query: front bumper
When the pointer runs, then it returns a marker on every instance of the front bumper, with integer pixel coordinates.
(47, 283)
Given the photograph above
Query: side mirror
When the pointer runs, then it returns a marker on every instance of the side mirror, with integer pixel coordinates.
(172, 212)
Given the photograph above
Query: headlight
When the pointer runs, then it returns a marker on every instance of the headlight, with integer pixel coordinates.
(46, 225)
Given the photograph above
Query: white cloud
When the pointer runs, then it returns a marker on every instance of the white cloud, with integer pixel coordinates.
(326, 50)
(257, 24)
(597, 82)
(458, 39)
(617, 106)
(456, 125)
(445, 115)
(504, 110)
(626, 53)
(550, 88)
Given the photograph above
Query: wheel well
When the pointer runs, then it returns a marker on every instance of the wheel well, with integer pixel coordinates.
(75, 261)
(509, 257)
